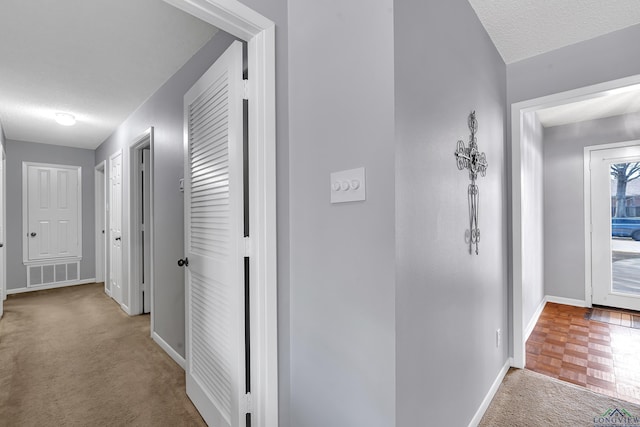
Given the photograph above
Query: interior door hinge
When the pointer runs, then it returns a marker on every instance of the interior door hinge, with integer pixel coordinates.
(247, 247)
(248, 404)
(245, 89)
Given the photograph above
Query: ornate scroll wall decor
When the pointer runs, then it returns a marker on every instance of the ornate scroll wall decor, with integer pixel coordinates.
(472, 159)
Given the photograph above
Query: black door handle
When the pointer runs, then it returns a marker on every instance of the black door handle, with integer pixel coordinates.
(183, 262)
(118, 238)
(33, 234)
(1, 245)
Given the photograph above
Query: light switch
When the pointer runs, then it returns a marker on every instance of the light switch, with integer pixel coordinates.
(348, 186)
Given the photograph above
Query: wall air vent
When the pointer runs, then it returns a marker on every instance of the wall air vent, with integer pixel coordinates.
(52, 274)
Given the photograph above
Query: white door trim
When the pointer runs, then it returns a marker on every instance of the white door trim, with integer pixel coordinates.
(517, 112)
(259, 32)
(145, 139)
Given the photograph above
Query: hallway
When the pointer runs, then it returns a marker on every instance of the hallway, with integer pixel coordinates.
(72, 357)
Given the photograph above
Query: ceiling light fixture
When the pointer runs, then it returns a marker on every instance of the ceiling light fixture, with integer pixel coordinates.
(65, 119)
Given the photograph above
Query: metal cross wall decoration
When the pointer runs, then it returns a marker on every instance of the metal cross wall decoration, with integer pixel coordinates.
(472, 159)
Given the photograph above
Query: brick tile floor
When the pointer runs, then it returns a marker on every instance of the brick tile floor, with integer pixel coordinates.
(599, 356)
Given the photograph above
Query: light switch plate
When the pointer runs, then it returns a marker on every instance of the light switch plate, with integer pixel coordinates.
(348, 186)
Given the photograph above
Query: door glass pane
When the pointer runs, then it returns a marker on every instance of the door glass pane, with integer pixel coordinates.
(625, 227)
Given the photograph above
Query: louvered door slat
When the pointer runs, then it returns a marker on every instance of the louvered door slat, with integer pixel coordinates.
(212, 93)
(213, 232)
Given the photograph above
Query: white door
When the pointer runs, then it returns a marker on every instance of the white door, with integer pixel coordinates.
(53, 211)
(615, 252)
(115, 226)
(100, 231)
(214, 232)
(145, 227)
(3, 291)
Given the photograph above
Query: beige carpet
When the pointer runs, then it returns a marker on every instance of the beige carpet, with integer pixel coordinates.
(529, 399)
(71, 357)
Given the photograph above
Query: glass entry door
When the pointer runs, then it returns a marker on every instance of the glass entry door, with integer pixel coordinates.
(615, 216)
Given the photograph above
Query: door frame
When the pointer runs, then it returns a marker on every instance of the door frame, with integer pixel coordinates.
(100, 177)
(588, 273)
(145, 139)
(518, 111)
(246, 24)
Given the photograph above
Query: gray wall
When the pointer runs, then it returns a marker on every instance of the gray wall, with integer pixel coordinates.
(532, 216)
(564, 197)
(342, 256)
(164, 111)
(449, 303)
(21, 151)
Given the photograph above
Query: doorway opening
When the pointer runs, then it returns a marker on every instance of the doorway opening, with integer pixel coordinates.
(141, 223)
(248, 25)
(587, 346)
(524, 312)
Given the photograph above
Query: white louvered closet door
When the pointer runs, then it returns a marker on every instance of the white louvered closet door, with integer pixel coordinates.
(214, 232)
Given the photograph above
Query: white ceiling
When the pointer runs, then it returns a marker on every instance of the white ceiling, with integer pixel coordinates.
(524, 28)
(97, 59)
(609, 104)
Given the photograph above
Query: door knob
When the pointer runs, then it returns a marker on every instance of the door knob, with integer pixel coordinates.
(1, 245)
(33, 234)
(183, 262)
(118, 238)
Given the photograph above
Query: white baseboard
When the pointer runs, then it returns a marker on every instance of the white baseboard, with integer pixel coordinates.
(534, 319)
(567, 301)
(168, 349)
(490, 394)
(125, 309)
(52, 286)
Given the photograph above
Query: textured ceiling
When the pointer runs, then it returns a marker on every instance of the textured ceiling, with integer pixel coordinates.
(524, 28)
(613, 103)
(97, 59)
